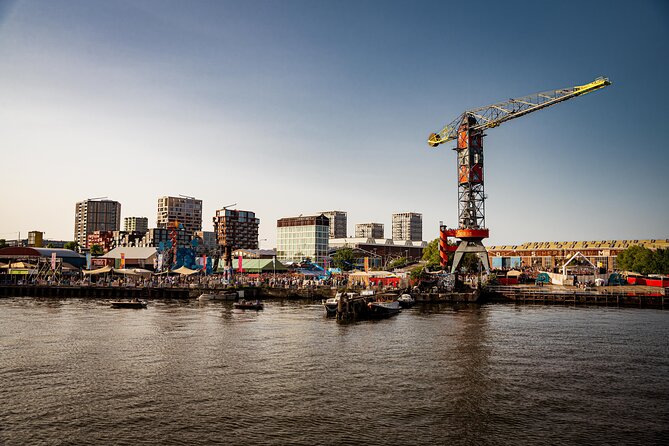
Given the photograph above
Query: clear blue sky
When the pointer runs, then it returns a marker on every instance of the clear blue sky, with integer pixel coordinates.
(293, 107)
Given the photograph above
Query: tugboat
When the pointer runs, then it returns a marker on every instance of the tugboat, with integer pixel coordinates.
(248, 305)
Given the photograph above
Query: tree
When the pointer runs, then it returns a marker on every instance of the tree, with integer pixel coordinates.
(431, 253)
(3, 243)
(344, 259)
(71, 245)
(397, 263)
(96, 250)
(643, 260)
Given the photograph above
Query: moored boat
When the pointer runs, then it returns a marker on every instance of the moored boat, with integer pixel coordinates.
(384, 309)
(248, 305)
(232, 295)
(134, 303)
(406, 301)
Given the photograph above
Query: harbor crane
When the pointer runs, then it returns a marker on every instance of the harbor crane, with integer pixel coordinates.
(467, 129)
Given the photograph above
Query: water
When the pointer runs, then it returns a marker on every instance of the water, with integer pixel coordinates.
(79, 372)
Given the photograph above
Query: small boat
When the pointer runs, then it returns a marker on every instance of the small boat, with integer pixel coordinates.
(248, 305)
(384, 309)
(134, 303)
(218, 296)
(406, 301)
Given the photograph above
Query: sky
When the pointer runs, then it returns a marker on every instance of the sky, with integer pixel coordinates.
(296, 107)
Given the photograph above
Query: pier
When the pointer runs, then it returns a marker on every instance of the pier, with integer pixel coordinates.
(622, 296)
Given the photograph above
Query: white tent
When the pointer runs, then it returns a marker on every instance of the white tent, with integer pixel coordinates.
(185, 271)
(103, 270)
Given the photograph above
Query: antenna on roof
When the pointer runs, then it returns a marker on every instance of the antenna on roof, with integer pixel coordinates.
(186, 196)
(229, 206)
(96, 198)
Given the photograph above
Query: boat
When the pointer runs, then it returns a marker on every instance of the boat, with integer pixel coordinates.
(134, 303)
(231, 295)
(384, 309)
(406, 301)
(331, 305)
(248, 305)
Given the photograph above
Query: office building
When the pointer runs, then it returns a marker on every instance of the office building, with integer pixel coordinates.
(301, 238)
(338, 223)
(95, 215)
(369, 230)
(408, 226)
(180, 210)
(135, 224)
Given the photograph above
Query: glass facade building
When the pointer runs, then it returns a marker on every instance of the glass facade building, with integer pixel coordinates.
(301, 238)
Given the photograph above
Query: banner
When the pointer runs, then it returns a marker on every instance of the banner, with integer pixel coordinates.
(53, 260)
(88, 260)
(239, 266)
(122, 260)
(204, 263)
(366, 264)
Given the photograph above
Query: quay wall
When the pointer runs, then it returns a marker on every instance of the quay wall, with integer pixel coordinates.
(521, 294)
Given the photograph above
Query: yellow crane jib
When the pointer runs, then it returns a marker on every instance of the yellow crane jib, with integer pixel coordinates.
(493, 115)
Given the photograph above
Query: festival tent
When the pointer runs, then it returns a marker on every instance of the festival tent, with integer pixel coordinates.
(103, 270)
(257, 266)
(133, 272)
(185, 271)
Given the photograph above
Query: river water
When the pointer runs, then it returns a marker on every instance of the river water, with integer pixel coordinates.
(78, 372)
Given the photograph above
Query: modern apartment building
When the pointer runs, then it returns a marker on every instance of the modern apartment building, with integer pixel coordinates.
(95, 215)
(299, 238)
(155, 236)
(183, 210)
(206, 242)
(408, 226)
(369, 230)
(135, 224)
(337, 223)
(236, 229)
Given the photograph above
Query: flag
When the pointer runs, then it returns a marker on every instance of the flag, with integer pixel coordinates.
(88, 260)
(366, 264)
(122, 260)
(53, 260)
(240, 269)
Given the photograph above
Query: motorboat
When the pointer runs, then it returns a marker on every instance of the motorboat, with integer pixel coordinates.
(230, 295)
(406, 301)
(384, 309)
(134, 303)
(248, 305)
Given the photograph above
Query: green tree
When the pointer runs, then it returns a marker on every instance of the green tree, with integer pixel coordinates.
(397, 263)
(642, 260)
(71, 245)
(344, 258)
(96, 250)
(431, 253)
(50, 245)
(3, 243)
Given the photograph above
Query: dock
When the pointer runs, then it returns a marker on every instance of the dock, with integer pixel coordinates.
(619, 296)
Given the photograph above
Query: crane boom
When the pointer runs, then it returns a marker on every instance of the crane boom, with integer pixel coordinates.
(493, 115)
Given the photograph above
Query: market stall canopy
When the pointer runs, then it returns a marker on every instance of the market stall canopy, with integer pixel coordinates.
(133, 272)
(103, 270)
(513, 273)
(185, 271)
(21, 265)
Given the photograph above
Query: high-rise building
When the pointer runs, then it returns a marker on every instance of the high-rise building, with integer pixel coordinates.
(299, 238)
(35, 238)
(183, 210)
(369, 230)
(408, 226)
(95, 215)
(337, 223)
(135, 224)
(236, 229)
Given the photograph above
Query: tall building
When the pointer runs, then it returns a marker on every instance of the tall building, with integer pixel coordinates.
(155, 236)
(184, 210)
(135, 224)
(337, 223)
(408, 226)
(95, 215)
(299, 238)
(206, 242)
(236, 229)
(369, 230)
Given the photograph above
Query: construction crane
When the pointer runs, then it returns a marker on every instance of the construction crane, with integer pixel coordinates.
(467, 129)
